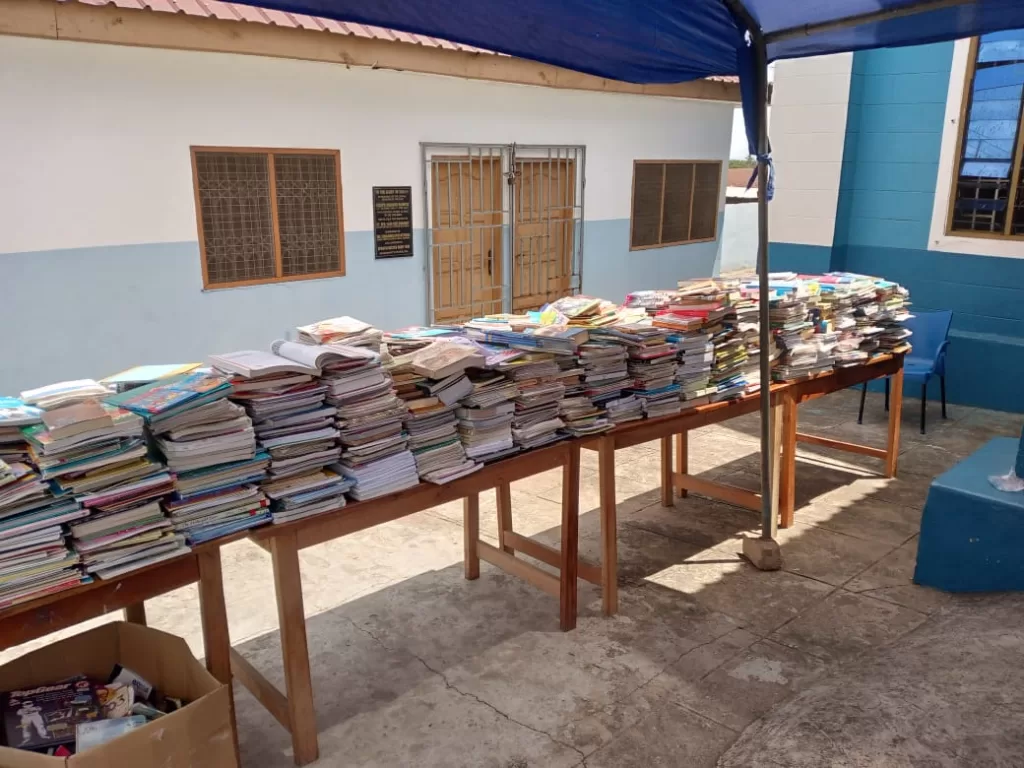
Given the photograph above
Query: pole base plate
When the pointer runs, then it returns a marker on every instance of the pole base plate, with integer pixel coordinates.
(764, 554)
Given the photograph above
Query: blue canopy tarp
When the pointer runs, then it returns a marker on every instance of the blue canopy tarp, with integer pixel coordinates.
(669, 41)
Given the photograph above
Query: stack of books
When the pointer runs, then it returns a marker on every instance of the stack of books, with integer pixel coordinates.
(14, 414)
(64, 393)
(605, 374)
(96, 453)
(341, 330)
(34, 557)
(536, 420)
(126, 528)
(485, 417)
(294, 497)
(210, 447)
(892, 300)
(579, 412)
(651, 365)
(375, 456)
(435, 443)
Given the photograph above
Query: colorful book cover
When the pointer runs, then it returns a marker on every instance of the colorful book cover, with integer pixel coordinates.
(167, 394)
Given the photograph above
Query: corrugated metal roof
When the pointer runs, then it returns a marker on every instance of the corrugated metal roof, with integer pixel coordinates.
(220, 9)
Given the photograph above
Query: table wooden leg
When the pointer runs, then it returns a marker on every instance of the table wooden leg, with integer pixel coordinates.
(786, 476)
(569, 589)
(609, 534)
(504, 500)
(284, 552)
(667, 492)
(682, 460)
(136, 613)
(892, 447)
(471, 535)
(216, 635)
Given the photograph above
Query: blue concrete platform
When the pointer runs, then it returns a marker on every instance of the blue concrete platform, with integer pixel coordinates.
(972, 535)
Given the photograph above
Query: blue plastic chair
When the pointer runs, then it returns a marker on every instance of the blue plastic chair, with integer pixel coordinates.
(927, 358)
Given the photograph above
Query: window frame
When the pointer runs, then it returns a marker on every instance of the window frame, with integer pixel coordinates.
(693, 185)
(275, 222)
(958, 159)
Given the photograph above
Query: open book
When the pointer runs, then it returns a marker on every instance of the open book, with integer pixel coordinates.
(253, 364)
(319, 356)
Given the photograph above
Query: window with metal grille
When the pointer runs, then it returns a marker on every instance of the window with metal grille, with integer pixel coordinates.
(268, 215)
(988, 190)
(674, 202)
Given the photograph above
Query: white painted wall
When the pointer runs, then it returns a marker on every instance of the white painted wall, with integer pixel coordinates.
(808, 134)
(96, 148)
(739, 237)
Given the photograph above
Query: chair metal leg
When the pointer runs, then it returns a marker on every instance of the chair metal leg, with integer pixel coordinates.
(863, 397)
(924, 403)
(942, 389)
(886, 394)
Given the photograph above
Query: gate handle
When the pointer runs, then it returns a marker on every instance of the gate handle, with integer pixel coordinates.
(490, 259)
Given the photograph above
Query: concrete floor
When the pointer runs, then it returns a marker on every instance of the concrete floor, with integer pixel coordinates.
(413, 665)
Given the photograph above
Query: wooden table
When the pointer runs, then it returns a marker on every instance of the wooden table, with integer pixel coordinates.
(50, 613)
(294, 709)
(786, 397)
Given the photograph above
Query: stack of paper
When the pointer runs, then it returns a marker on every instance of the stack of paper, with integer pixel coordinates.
(34, 558)
(340, 330)
(693, 372)
(14, 414)
(536, 418)
(313, 493)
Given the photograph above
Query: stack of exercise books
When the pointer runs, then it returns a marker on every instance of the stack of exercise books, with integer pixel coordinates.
(624, 409)
(892, 300)
(605, 374)
(294, 497)
(96, 453)
(485, 416)
(14, 414)
(340, 330)
(375, 455)
(536, 420)
(126, 528)
(34, 557)
(651, 365)
(431, 423)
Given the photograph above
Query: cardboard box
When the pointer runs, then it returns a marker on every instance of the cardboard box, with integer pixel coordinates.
(200, 735)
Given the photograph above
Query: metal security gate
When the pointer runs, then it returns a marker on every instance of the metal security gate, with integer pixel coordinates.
(504, 227)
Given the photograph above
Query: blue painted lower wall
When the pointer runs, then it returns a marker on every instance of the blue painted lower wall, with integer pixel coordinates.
(90, 312)
(985, 362)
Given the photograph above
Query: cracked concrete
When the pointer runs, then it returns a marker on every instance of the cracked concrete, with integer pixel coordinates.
(414, 665)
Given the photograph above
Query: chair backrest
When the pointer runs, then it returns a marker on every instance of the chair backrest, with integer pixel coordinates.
(930, 329)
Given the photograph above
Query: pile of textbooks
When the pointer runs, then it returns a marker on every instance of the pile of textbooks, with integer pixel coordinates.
(375, 456)
(97, 453)
(485, 416)
(651, 363)
(432, 424)
(536, 420)
(34, 557)
(210, 446)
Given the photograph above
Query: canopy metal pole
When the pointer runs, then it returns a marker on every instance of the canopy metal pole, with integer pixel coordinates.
(767, 457)
(871, 17)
